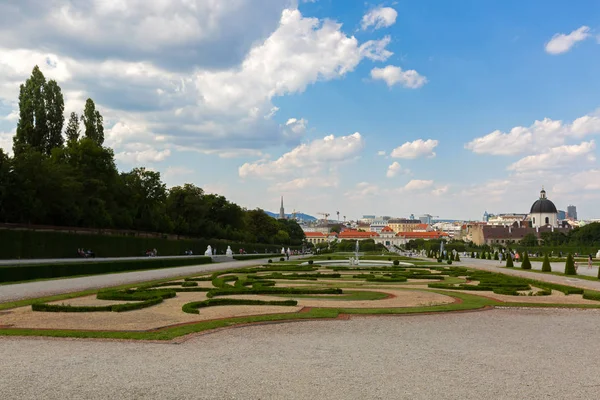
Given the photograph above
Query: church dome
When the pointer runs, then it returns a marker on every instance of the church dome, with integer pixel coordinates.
(543, 205)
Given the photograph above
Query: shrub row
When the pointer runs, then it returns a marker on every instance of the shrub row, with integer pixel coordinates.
(591, 295)
(14, 273)
(133, 295)
(270, 290)
(193, 307)
(136, 305)
(249, 256)
(199, 279)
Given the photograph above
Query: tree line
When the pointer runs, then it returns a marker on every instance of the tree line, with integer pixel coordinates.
(69, 178)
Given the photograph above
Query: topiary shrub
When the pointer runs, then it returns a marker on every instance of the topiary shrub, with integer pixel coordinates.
(570, 266)
(526, 264)
(472, 254)
(489, 256)
(189, 284)
(439, 260)
(192, 308)
(329, 257)
(546, 264)
(270, 261)
(389, 258)
(310, 262)
(281, 259)
(449, 262)
(496, 256)
(509, 261)
(396, 262)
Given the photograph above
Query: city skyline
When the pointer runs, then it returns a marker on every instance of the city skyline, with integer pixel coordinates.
(393, 108)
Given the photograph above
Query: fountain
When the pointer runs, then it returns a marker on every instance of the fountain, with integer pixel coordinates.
(208, 252)
(354, 261)
(229, 252)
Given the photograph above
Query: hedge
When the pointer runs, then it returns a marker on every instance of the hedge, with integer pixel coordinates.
(591, 295)
(270, 290)
(131, 294)
(249, 256)
(192, 307)
(23, 244)
(136, 305)
(14, 273)
(189, 284)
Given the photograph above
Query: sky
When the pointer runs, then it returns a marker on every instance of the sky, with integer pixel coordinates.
(450, 108)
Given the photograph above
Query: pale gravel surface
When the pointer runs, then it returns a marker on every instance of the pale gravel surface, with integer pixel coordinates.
(499, 354)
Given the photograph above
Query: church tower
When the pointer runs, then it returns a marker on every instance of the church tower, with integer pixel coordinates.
(281, 210)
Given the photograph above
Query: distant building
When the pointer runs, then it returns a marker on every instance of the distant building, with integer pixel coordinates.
(543, 212)
(281, 210)
(562, 215)
(404, 225)
(378, 225)
(506, 219)
(426, 219)
(486, 217)
(572, 212)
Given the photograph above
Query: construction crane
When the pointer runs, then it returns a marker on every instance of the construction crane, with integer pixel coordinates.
(294, 214)
(326, 215)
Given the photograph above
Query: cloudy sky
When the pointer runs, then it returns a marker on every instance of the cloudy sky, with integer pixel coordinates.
(447, 108)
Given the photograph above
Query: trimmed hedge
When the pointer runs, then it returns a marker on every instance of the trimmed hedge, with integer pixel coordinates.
(189, 284)
(137, 305)
(192, 307)
(14, 273)
(133, 295)
(23, 244)
(199, 279)
(249, 256)
(270, 290)
(591, 295)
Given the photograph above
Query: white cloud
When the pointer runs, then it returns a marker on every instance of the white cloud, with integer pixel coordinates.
(362, 190)
(418, 148)
(556, 157)
(176, 175)
(585, 180)
(440, 191)
(381, 153)
(417, 185)
(394, 169)
(194, 108)
(393, 75)
(538, 137)
(313, 156)
(561, 43)
(380, 17)
(6, 141)
(143, 155)
(305, 183)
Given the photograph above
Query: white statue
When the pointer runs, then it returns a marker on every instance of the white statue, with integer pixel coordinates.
(228, 252)
(289, 251)
(598, 254)
(208, 252)
(283, 250)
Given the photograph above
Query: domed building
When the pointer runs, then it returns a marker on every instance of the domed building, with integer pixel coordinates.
(543, 212)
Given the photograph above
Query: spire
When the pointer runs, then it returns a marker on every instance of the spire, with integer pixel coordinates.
(281, 210)
(543, 193)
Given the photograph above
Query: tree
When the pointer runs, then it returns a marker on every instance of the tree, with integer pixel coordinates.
(526, 264)
(509, 261)
(72, 132)
(93, 123)
(32, 127)
(529, 240)
(546, 264)
(456, 257)
(496, 256)
(570, 266)
(55, 107)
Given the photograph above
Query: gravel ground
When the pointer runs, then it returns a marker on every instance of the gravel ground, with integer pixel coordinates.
(499, 354)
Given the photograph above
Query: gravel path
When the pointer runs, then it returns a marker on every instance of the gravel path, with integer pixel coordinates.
(499, 354)
(56, 286)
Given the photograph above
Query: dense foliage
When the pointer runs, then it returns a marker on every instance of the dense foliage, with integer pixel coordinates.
(81, 187)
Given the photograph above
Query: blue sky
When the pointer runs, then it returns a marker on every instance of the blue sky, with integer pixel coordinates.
(366, 108)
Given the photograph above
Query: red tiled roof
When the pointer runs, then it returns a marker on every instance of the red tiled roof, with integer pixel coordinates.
(387, 229)
(422, 226)
(357, 235)
(422, 235)
(314, 234)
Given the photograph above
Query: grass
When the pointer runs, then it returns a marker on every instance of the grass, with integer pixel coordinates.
(468, 301)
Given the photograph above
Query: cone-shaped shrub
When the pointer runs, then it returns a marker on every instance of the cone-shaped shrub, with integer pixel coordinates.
(496, 257)
(489, 256)
(526, 264)
(570, 266)
(509, 261)
(456, 257)
(472, 254)
(546, 264)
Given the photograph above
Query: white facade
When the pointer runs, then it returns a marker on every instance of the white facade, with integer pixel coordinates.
(543, 219)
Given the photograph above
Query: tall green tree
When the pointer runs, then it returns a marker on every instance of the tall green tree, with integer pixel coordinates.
(55, 107)
(72, 132)
(93, 123)
(32, 127)
(526, 264)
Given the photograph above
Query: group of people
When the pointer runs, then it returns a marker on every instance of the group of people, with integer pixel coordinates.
(86, 253)
(151, 253)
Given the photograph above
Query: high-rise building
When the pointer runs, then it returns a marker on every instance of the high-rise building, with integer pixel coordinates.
(426, 219)
(562, 214)
(281, 210)
(572, 212)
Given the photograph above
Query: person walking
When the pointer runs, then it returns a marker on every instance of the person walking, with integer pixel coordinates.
(590, 261)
